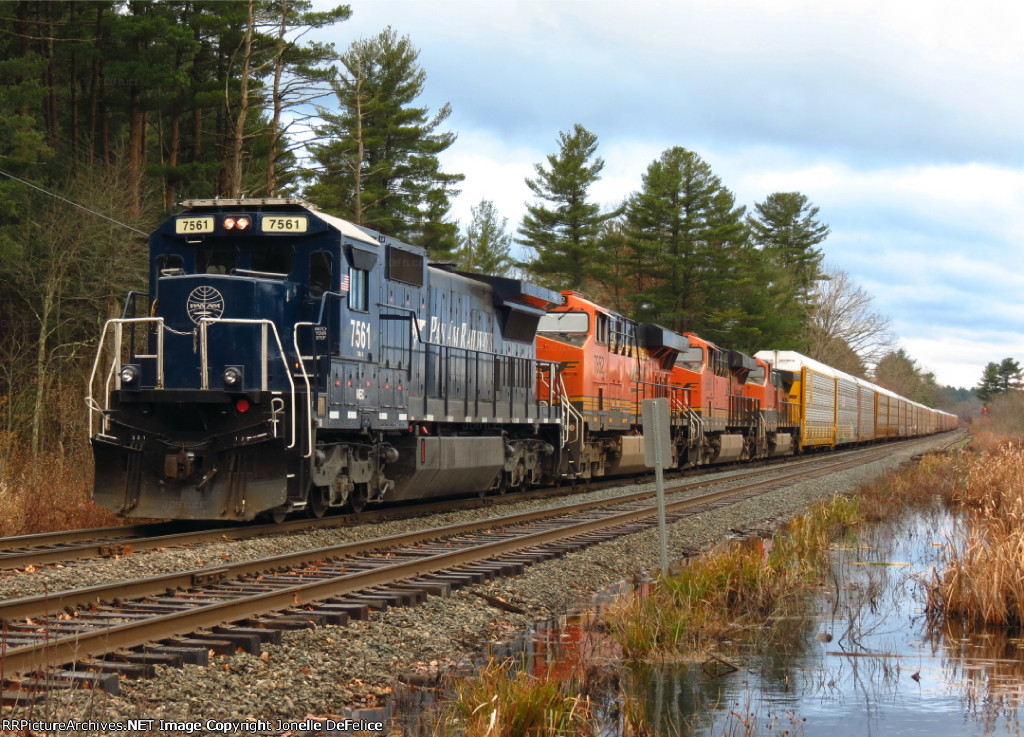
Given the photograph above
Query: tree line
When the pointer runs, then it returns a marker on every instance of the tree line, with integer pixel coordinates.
(112, 111)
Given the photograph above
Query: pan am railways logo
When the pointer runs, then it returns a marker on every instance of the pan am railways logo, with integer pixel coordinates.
(204, 302)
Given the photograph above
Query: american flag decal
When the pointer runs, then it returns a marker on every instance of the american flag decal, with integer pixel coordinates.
(344, 283)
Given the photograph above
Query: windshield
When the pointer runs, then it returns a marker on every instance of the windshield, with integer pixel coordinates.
(692, 358)
(565, 327)
(564, 322)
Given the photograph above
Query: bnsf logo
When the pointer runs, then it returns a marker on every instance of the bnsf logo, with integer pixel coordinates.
(204, 302)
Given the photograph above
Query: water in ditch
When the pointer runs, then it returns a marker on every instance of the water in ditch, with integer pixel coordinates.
(856, 659)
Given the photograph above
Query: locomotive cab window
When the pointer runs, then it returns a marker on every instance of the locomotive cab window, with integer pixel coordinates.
(358, 290)
(756, 376)
(274, 258)
(216, 260)
(602, 328)
(692, 358)
(170, 264)
(321, 267)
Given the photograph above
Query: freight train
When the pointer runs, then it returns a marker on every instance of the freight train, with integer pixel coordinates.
(284, 359)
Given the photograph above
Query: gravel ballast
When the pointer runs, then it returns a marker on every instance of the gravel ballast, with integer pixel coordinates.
(331, 670)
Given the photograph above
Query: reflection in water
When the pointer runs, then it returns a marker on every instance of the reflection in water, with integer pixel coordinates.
(858, 660)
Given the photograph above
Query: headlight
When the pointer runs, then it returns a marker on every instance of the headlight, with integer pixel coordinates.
(232, 376)
(129, 374)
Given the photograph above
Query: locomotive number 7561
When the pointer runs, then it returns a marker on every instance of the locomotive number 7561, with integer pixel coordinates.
(360, 334)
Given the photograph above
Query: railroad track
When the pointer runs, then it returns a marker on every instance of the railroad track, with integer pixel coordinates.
(48, 548)
(323, 585)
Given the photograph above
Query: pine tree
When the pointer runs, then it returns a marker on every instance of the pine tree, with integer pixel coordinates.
(563, 226)
(1000, 378)
(686, 237)
(1010, 375)
(298, 72)
(786, 229)
(486, 246)
(380, 163)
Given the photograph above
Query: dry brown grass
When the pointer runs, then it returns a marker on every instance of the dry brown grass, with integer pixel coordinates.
(509, 701)
(49, 492)
(981, 580)
(1005, 418)
(935, 476)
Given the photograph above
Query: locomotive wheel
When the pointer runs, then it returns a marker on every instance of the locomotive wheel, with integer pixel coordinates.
(276, 515)
(319, 501)
(357, 499)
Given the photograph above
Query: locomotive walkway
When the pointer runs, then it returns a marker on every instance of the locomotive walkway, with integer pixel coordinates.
(64, 634)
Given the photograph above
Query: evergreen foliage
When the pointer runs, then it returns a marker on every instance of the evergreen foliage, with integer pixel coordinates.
(686, 241)
(786, 265)
(1000, 378)
(486, 245)
(379, 160)
(785, 229)
(563, 226)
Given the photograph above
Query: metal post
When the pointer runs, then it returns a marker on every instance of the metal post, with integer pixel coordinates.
(658, 448)
(659, 480)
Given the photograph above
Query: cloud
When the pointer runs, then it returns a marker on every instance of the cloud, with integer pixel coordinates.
(899, 120)
(958, 357)
(870, 80)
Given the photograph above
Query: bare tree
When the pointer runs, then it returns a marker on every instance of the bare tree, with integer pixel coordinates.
(842, 321)
(237, 129)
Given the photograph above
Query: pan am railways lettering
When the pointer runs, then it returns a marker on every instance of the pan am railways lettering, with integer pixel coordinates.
(456, 335)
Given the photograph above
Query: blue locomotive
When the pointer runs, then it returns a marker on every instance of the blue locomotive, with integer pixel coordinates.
(285, 359)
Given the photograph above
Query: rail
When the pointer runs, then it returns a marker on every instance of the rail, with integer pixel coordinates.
(50, 638)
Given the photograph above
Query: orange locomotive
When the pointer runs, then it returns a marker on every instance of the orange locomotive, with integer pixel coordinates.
(736, 404)
(725, 405)
(608, 366)
(780, 417)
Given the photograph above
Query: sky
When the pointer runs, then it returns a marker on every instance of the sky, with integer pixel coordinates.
(902, 120)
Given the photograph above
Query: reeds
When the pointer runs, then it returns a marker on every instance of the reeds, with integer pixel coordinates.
(507, 701)
(734, 587)
(981, 578)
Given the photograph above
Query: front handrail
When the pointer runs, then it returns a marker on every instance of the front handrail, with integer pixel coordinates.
(305, 378)
(572, 413)
(267, 327)
(113, 379)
